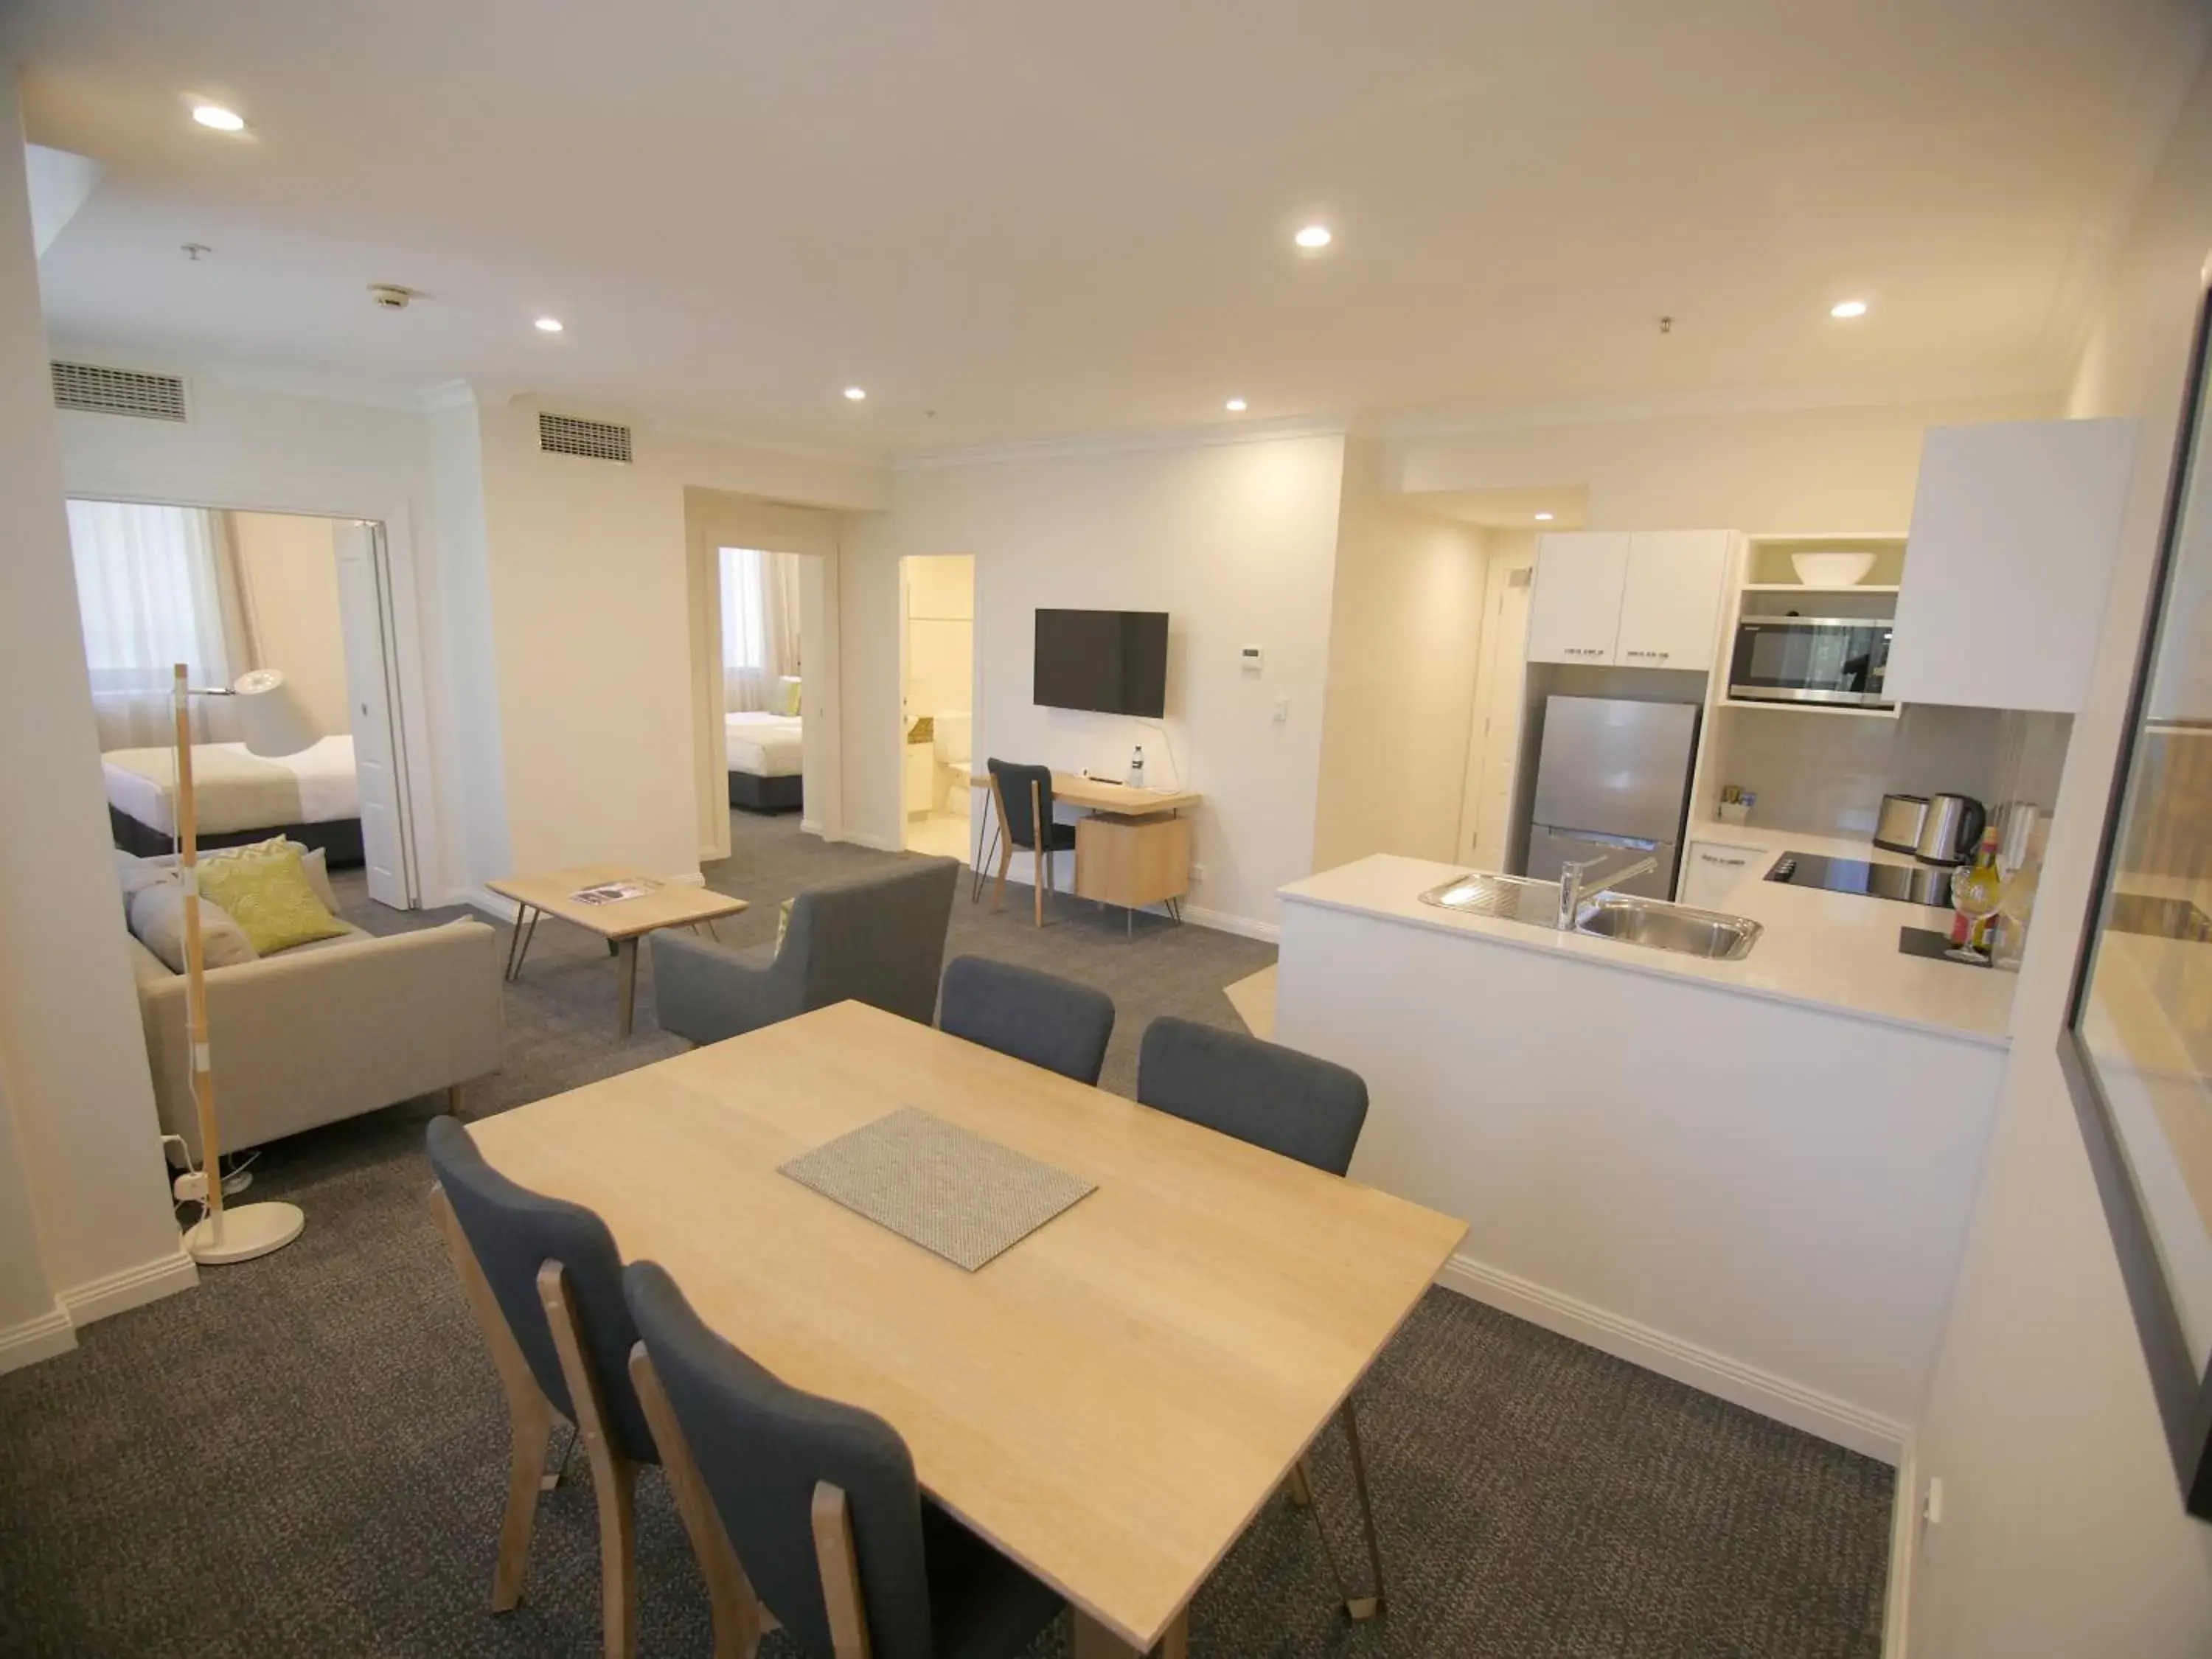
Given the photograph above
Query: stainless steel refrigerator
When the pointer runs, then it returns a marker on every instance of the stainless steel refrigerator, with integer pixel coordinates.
(1615, 774)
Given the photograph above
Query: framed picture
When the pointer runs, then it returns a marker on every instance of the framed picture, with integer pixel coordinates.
(2137, 1046)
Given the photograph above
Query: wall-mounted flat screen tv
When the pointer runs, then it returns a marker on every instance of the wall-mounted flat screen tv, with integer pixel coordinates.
(1113, 662)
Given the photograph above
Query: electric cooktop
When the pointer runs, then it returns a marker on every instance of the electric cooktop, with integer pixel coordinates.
(1908, 884)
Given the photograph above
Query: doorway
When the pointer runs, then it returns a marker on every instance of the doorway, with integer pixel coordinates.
(227, 592)
(1486, 825)
(937, 699)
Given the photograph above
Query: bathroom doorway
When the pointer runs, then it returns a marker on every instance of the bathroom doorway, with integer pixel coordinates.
(937, 668)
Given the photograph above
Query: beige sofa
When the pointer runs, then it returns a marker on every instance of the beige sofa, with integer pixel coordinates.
(326, 1031)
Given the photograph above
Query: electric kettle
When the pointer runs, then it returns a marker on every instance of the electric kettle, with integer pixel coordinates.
(1951, 830)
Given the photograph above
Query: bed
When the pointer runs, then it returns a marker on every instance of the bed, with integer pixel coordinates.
(768, 761)
(312, 797)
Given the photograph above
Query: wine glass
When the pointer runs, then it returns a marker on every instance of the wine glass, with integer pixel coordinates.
(1976, 893)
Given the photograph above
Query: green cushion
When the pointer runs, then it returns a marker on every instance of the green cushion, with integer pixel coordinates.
(265, 887)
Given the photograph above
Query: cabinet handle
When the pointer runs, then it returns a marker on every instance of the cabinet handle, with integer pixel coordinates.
(1733, 864)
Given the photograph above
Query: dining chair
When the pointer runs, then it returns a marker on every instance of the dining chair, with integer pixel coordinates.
(1040, 1017)
(877, 938)
(1298, 1105)
(545, 1281)
(813, 1505)
(1022, 796)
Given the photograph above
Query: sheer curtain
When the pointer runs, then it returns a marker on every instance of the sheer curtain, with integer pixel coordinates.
(760, 624)
(157, 585)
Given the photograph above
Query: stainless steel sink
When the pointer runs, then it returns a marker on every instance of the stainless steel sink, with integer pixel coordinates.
(1510, 898)
(1662, 926)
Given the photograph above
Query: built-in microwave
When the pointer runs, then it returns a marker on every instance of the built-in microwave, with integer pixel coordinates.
(1838, 659)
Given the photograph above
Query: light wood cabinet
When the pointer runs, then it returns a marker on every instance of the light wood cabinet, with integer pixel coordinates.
(1131, 861)
(1671, 605)
(2014, 528)
(1574, 610)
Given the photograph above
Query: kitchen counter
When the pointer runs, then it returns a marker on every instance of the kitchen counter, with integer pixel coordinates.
(1834, 950)
(1753, 1176)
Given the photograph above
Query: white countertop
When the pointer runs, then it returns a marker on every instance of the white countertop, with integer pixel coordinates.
(1779, 841)
(1832, 949)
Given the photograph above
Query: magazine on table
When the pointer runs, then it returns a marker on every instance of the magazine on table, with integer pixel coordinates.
(609, 892)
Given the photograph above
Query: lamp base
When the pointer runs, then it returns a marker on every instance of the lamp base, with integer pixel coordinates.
(242, 1232)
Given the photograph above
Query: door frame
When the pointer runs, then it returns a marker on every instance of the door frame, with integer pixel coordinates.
(399, 593)
(1484, 727)
(975, 692)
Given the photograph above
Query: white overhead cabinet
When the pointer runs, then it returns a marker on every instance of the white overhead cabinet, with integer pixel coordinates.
(1670, 609)
(2014, 528)
(1574, 610)
(1650, 599)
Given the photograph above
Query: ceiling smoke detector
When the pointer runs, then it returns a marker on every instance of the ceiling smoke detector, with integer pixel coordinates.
(390, 295)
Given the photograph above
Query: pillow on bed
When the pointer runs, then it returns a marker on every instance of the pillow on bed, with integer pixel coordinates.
(265, 887)
(784, 700)
(157, 918)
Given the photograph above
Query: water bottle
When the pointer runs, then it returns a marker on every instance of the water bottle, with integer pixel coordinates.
(1136, 768)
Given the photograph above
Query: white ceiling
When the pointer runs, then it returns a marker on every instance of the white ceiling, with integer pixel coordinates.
(1038, 218)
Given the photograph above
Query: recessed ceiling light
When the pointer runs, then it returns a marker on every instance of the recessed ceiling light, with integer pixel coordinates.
(549, 324)
(216, 116)
(1848, 308)
(1543, 518)
(1235, 405)
(1313, 236)
(858, 394)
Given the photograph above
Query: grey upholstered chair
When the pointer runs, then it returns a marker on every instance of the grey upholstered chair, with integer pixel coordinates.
(877, 940)
(1261, 1092)
(819, 1505)
(1040, 1017)
(1302, 1107)
(545, 1281)
(1023, 795)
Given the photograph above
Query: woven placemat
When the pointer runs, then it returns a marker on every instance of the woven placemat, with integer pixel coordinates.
(955, 1194)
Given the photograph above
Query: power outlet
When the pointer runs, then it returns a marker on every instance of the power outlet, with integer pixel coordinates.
(1197, 873)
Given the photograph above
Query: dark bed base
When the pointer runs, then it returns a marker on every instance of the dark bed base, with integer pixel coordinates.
(339, 838)
(759, 794)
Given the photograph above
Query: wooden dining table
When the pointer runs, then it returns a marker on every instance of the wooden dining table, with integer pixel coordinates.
(1110, 1401)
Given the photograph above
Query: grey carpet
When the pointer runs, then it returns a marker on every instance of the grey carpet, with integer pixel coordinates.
(307, 1455)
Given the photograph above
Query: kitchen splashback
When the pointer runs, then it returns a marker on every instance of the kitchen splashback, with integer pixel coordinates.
(1826, 774)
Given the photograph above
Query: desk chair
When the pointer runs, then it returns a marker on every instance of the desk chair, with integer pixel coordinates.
(1292, 1104)
(545, 1281)
(1023, 795)
(814, 1505)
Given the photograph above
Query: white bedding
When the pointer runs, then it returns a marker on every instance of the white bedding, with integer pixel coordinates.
(766, 746)
(329, 789)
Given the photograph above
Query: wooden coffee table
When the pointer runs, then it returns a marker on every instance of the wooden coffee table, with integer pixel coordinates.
(622, 922)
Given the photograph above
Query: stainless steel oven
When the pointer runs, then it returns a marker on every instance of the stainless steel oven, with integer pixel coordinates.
(1839, 659)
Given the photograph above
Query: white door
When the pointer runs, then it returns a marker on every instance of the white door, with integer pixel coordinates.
(1574, 613)
(1670, 605)
(1485, 818)
(376, 747)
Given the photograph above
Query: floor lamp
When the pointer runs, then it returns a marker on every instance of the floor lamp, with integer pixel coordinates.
(273, 722)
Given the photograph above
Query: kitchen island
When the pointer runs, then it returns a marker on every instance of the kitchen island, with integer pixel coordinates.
(1754, 1176)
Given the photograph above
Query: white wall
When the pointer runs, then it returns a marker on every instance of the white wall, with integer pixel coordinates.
(288, 567)
(2063, 1532)
(1760, 471)
(72, 1057)
(1405, 633)
(1236, 541)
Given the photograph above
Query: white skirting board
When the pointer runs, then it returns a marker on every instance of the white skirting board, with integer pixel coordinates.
(132, 1287)
(26, 1343)
(1243, 927)
(1778, 1397)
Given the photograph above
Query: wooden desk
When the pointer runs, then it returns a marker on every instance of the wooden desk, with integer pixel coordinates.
(1111, 1400)
(1131, 848)
(622, 923)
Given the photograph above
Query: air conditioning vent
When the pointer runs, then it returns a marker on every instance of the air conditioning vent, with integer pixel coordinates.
(595, 440)
(97, 390)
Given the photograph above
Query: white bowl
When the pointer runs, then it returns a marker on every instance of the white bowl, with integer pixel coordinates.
(1831, 569)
